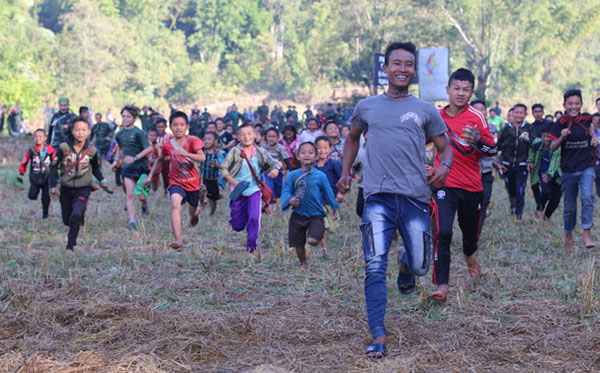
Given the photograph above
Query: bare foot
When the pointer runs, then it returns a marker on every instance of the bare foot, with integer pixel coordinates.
(177, 246)
(587, 239)
(440, 294)
(537, 215)
(473, 266)
(569, 242)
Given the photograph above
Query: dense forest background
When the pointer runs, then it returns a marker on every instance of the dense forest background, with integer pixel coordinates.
(106, 52)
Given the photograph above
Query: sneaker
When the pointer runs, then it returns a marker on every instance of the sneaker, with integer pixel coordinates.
(132, 226)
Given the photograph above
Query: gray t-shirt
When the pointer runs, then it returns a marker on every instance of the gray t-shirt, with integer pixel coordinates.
(395, 152)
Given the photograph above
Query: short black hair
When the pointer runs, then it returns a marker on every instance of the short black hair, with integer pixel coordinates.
(323, 138)
(83, 108)
(571, 93)
(76, 120)
(214, 134)
(558, 112)
(272, 129)
(245, 125)
(549, 117)
(290, 127)
(520, 105)
(161, 120)
(131, 109)
(40, 130)
(212, 122)
(152, 130)
(331, 121)
(478, 101)
(408, 46)
(593, 116)
(178, 114)
(464, 75)
(598, 99)
(534, 106)
(307, 143)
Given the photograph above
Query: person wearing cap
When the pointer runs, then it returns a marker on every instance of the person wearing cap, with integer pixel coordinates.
(543, 165)
(57, 131)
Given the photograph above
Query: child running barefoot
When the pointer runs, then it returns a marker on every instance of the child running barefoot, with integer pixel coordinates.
(246, 207)
(278, 153)
(333, 171)
(131, 141)
(77, 160)
(184, 181)
(41, 156)
(210, 170)
(305, 190)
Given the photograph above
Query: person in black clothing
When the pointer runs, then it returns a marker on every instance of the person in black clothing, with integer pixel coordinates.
(41, 156)
(575, 135)
(77, 160)
(514, 141)
(539, 124)
(59, 123)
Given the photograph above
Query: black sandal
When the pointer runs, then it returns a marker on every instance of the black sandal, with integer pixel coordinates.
(376, 347)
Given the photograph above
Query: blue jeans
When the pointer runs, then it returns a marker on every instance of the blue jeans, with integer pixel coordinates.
(276, 183)
(383, 214)
(581, 182)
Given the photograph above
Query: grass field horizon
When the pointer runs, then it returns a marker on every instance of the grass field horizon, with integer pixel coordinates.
(124, 302)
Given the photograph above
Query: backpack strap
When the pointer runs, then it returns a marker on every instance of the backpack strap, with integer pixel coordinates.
(76, 163)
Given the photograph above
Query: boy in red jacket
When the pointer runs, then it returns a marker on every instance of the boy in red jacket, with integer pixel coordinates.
(41, 156)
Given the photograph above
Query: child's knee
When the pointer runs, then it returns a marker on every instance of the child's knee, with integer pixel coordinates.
(312, 241)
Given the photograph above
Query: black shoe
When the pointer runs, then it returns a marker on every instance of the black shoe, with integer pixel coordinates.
(45, 215)
(69, 248)
(406, 282)
(145, 211)
(132, 226)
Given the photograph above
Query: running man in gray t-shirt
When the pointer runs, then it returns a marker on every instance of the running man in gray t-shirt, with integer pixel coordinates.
(395, 184)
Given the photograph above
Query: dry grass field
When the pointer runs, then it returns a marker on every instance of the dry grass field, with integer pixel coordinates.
(124, 302)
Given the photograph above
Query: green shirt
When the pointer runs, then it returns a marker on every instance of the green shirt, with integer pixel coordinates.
(132, 141)
(497, 121)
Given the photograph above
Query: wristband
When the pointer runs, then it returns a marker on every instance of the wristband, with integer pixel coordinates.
(135, 158)
(444, 163)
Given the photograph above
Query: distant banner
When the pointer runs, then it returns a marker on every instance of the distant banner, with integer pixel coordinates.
(380, 76)
(433, 74)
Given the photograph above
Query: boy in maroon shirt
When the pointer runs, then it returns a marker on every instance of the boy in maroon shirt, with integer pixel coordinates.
(184, 181)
